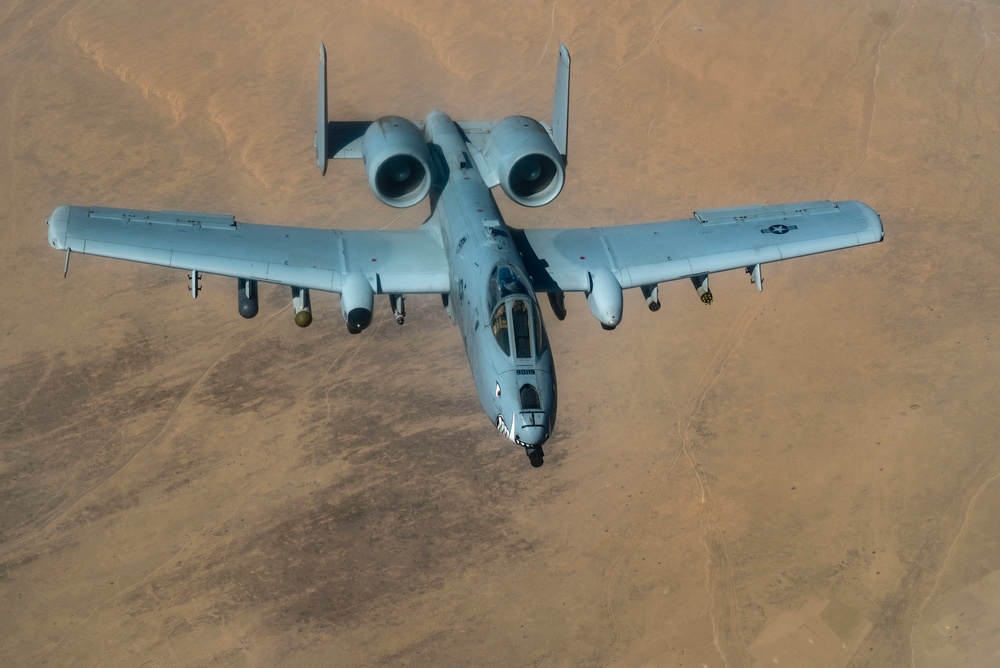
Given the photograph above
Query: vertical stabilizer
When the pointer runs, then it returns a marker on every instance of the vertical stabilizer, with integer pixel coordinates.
(560, 105)
(320, 142)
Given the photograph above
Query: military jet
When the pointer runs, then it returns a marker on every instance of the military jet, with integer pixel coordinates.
(488, 274)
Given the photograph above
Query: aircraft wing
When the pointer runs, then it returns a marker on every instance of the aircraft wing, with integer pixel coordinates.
(397, 261)
(713, 240)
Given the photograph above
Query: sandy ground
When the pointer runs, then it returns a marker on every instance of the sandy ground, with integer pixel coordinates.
(803, 477)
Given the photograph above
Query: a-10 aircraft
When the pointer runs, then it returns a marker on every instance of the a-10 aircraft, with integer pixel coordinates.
(487, 273)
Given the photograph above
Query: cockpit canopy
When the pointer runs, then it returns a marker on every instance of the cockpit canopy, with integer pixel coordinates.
(516, 322)
(505, 281)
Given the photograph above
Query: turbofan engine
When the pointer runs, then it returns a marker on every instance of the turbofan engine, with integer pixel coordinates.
(397, 161)
(526, 162)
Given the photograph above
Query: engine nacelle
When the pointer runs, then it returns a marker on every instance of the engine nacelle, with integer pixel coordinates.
(397, 161)
(605, 298)
(525, 160)
(356, 302)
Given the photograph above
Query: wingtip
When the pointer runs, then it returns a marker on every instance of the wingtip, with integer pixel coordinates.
(58, 224)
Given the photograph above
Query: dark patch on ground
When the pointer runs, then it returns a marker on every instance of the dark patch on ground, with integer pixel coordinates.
(245, 382)
(11, 565)
(70, 427)
(425, 490)
(400, 522)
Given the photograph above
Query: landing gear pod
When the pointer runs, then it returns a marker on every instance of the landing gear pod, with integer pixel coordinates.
(605, 298)
(302, 306)
(700, 284)
(356, 301)
(446, 303)
(248, 303)
(557, 300)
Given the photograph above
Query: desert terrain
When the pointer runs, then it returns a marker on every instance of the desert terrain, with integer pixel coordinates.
(802, 477)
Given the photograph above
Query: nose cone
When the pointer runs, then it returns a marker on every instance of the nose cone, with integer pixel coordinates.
(533, 427)
(533, 436)
(524, 402)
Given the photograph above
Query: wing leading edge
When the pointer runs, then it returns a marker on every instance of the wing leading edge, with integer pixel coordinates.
(397, 261)
(712, 241)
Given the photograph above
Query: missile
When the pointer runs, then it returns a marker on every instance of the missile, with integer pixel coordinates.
(398, 309)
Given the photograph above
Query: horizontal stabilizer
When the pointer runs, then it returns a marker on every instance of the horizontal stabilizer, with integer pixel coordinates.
(342, 139)
(334, 139)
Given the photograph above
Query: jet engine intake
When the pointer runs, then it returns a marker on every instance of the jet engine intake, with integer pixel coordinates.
(526, 162)
(397, 161)
(605, 298)
(356, 302)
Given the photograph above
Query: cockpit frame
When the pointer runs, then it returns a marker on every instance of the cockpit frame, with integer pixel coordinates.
(515, 319)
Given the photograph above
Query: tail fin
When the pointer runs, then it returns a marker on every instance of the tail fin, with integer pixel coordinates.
(560, 104)
(334, 139)
(320, 141)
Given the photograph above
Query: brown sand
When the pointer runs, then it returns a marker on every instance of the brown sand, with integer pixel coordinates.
(806, 477)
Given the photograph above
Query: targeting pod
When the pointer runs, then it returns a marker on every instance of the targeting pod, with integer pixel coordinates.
(701, 286)
(248, 303)
(302, 306)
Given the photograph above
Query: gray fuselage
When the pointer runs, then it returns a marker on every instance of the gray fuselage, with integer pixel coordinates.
(491, 298)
